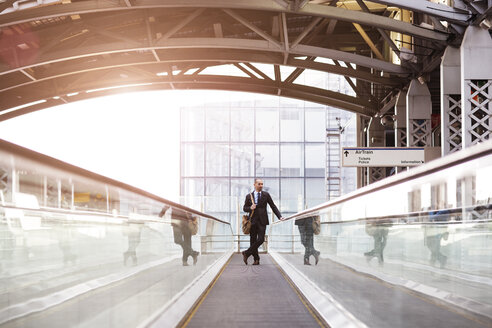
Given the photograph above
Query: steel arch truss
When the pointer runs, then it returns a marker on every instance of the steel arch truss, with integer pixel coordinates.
(63, 52)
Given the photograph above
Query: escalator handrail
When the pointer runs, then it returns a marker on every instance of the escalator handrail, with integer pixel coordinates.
(51, 162)
(465, 155)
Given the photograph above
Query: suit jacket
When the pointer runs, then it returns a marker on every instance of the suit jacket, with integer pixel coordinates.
(260, 213)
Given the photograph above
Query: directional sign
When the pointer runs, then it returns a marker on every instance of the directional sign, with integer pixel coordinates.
(378, 157)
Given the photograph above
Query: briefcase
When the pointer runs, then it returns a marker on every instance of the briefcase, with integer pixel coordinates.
(246, 224)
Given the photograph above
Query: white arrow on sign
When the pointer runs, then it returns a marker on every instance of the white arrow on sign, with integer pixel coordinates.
(382, 156)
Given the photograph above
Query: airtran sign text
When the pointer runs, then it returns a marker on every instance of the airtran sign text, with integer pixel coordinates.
(381, 156)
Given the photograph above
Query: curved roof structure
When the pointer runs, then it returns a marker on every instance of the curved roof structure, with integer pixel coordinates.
(54, 52)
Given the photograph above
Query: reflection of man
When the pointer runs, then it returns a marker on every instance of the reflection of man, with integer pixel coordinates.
(306, 231)
(379, 232)
(256, 203)
(133, 232)
(434, 232)
(182, 234)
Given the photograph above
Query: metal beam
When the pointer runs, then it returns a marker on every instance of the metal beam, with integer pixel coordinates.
(251, 75)
(430, 8)
(252, 27)
(212, 57)
(181, 24)
(94, 6)
(89, 82)
(368, 40)
(382, 32)
(308, 29)
(28, 75)
(257, 71)
(210, 43)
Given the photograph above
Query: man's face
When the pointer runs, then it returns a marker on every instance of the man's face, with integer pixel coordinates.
(258, 185)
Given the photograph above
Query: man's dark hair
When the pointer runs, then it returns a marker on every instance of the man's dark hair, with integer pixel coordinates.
(256, 179)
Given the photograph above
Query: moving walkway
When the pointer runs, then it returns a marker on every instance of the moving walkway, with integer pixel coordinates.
(79, 249)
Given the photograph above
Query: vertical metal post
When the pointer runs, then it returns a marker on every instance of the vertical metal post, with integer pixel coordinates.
(451, 122)
(401, 123)
(45, 191)
(58, 184)
(419, 109)
(375, 138)
(107, 198)
(476, 86)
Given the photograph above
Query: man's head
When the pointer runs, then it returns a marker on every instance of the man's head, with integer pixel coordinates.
(258, 185)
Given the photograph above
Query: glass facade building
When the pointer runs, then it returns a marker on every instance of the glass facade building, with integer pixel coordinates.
(226, 144)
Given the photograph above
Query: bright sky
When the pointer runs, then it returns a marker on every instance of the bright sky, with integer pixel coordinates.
(133, 137)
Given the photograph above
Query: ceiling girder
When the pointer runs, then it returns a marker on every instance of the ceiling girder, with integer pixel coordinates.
(94, 6)
(430, 8)
(109, 79)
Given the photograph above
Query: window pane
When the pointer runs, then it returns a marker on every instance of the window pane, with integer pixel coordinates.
(192, 160)
(217, 124)
(315, 160)
(291, 124)
(217, 192)
(267, 160)
(292, 160)
(192, 187)
(292, 193)
(217, 158)
(242, 160)
(240, 188)
(192, 124)
(272, 187)
(315, 125)
(242, 124)
(267, 125)
(315, 192)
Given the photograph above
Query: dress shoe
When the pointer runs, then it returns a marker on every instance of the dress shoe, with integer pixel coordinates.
(256, 262)
(316, 257)
(245, 257)
(306, 261)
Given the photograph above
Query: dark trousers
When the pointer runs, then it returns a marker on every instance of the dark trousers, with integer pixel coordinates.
(256, 238)
(307, 239)
(182, 237)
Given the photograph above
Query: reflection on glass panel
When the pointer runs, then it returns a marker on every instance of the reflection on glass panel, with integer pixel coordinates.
(292, 191)
(217, 158)
(315, 160)
(267, 161)
(242, 124)
(349, 179)
(242, 160)
(315, 124)
(267, 125)
(217, 191)
(315, 192)
(193, 160)
(291, 124)
(192, 124)
(217, 124)
(291, 160)
(109, 238)
(192, 186)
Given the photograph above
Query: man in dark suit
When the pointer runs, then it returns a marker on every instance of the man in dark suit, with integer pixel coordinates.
(256, 202)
